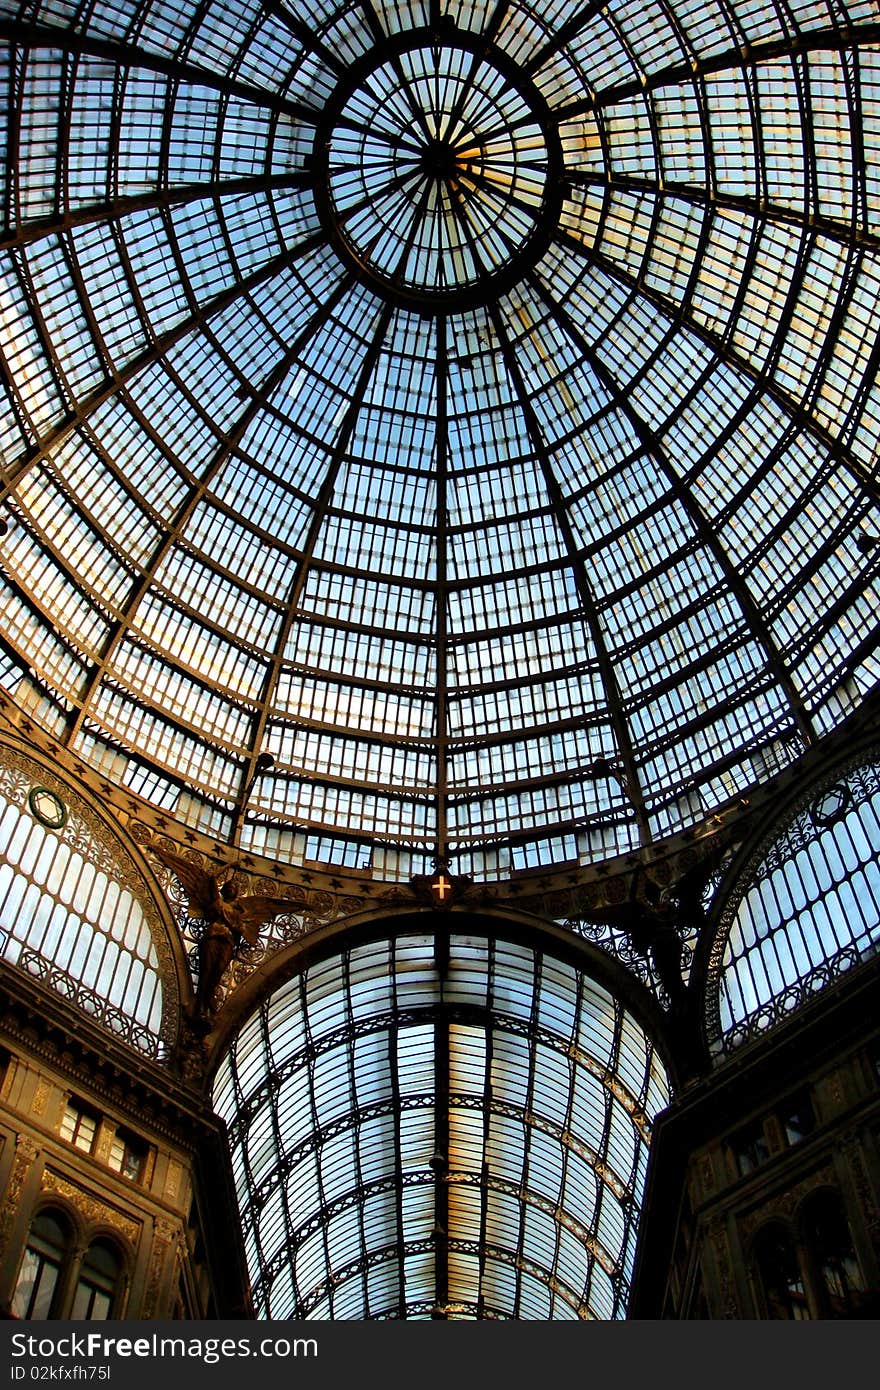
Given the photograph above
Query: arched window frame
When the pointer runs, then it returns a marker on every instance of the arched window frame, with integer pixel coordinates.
(81, 1238)
(102, 1238)
(853, 1298)
(807, 1259)
(23, 1305)
(86, 833)
(774, 848)
(796, 1295)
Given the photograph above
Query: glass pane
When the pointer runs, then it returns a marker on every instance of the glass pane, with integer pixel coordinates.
(480, 420)
(485, 1122)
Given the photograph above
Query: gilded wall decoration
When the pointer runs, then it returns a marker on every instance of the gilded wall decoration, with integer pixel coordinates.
(92, 1210)
(25, 1154)
(855, 1159)
(720, 1246)
(165, 1242)
(42, 1092)
(310, 909)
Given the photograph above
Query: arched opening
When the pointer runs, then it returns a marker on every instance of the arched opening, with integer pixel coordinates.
(805, 909)
(840, 1283)
(97, 1288)
(39, 1285)
(782, 1281)
(72, 911)
(441, 1127)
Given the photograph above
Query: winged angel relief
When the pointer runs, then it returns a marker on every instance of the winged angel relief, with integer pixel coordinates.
(230, 918)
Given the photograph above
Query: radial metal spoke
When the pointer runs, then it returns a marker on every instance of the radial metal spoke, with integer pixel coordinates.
(305, 35)
(585, 592)
(158, 200)
(753, 55)
(394, 137)
(761, 208)
(568, 30)
(760, 375)
(130, 56)
(754, 621)
(141, 587)
(318, 519)
(547, 259)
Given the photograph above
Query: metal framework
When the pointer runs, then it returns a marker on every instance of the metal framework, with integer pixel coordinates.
(440, 1126)
(804, 909)
(475, 408)
(438, 169)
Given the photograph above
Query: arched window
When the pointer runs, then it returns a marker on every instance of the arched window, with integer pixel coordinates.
(98, 1283)
(841, 1284)
(39, 1279)
(72, 911)
(805, 909)
(781, 1276)
(49, 1267)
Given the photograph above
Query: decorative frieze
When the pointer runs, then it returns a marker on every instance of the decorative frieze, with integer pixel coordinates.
(92, 1210)
(725, 1294)
(42, 1092)
(165, 1243)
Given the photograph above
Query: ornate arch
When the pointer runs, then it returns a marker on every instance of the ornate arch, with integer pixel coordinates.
(67, 868)
(783, 930)
(406, 1093)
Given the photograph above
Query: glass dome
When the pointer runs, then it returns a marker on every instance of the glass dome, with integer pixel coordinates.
(472, 406)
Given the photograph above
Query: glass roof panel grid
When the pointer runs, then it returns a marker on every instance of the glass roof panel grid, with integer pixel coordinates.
(603, 238)
(76, 914)
(516, 1163)
(47, 278)
(222, 30)
(842, 391)
(35, 178)
(805, 910)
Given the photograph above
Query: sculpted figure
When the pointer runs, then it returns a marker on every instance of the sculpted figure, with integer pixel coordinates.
(212, 898)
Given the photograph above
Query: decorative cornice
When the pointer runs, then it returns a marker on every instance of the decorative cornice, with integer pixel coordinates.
(526, 888)
(93, 1211)
(39, 1025)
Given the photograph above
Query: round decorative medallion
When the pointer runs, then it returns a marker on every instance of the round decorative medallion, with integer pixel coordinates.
(438, 170)
(831, 806)
(47, 807)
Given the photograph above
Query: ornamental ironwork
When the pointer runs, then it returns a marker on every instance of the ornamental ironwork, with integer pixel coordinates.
(804, 910)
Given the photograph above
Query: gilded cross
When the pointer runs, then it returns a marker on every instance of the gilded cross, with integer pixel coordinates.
(441, 886)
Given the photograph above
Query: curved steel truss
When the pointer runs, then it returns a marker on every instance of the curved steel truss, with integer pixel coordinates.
(440, 1127)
